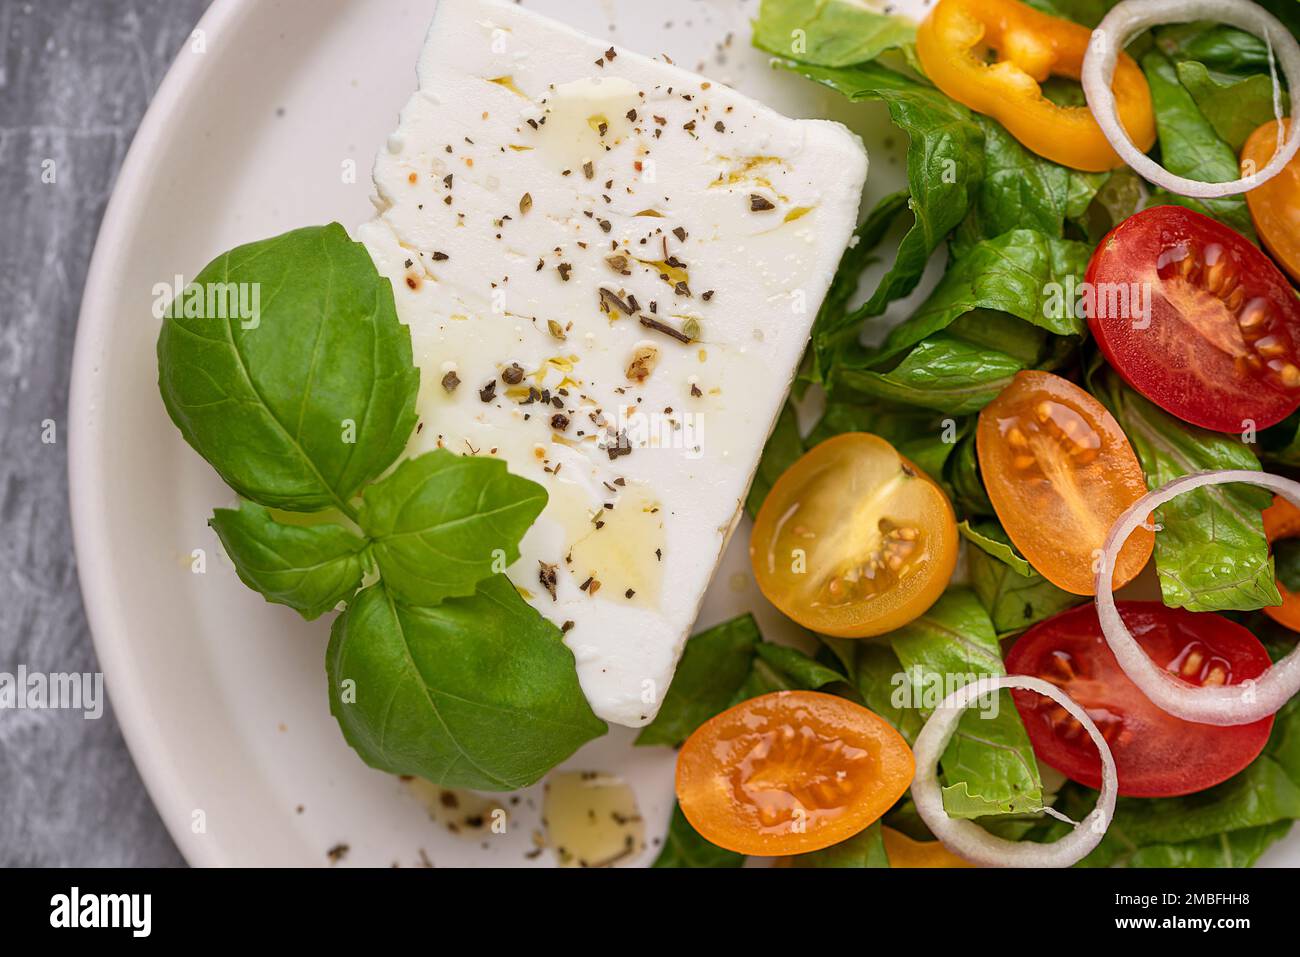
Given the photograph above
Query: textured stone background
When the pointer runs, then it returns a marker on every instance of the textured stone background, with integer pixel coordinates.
(75, 78)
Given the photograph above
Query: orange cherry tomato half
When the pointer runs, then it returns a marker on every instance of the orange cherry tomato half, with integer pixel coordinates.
(952, 43)
(790, 772)
(1282, 520)
(854, 540)
(1275, 205)
(902, 851)
(1059, 472)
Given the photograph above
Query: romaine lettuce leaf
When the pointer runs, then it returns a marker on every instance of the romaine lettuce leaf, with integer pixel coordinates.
(989, 766)
(1211, 552)
(1190, 147)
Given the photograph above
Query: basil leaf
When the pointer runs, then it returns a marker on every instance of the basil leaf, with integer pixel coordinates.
(945, 162)
(1211, 552)
(479, 692)
(1234, 107)
(683, 847)
(989, 765)
(714, 666)
(442, 523)
(1021, 190)
(310, 568)
(1189, 146)
(989, 538)
(1013, 601)
(864, 849)
(784, 447)
(303, 404)
(943, 373)
(829, 32)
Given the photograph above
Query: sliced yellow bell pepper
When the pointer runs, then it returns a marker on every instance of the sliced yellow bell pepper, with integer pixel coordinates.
(954, 44)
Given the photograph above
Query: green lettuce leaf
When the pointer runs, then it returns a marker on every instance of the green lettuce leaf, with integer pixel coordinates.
(829, 32)
(1235, 107)
(989, 538)
(1190, 147)
(1211, 552)
(864, 849)
(989, 766)
(684, 847)
(1013, 600)
(945, 162)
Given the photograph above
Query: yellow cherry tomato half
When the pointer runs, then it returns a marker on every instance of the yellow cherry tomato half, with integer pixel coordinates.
(1282, 520)
(952, 43)
(790, 772)
(1059, 472)
(854, 540)
(902, 851)
(1275, 205)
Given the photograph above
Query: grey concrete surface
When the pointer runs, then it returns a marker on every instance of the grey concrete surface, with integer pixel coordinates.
(75, 79)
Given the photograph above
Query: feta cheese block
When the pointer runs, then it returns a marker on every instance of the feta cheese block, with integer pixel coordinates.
(609, 267)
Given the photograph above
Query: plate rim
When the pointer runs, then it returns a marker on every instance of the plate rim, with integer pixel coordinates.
(92, 548)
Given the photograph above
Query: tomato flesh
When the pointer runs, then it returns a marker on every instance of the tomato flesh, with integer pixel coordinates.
(1197, 319)
(853, 539)
(1281, 521)
(790, 772)
(1156, 754)
(1275, 205)
(1059, 472)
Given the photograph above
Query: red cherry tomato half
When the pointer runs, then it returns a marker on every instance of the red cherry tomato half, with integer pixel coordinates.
(1197, 319)
(1156, 754)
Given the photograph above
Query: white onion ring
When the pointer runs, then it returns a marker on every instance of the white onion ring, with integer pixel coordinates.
(1241, 703)
(1125, 21)
(969, 840)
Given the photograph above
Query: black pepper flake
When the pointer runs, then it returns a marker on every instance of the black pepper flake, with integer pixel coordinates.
(610, 54)
(559, 422)
(619, 264)
(720, 127)
(589, 169)
(564, 269)
(760, 204)
(604, 225)
(512, 374)
(682, 289)
(707, 295)
(681, 234)
(631, 115)
(532, 123)
(695, 390)
(629, 593)
(488, 392)
(566, 627)
(689, 126)
(337, 853)
(587, 584)
(450, 381)
(446, 180)
(440, 257)
(546, 574)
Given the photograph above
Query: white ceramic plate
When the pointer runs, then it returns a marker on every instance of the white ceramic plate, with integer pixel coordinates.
(222, 697)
